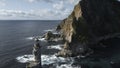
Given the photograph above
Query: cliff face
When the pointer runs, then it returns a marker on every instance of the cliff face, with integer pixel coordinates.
(71, 26)
(102, 16)
(91, 20)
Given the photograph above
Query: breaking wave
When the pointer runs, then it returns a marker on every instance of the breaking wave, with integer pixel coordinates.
(49, 30)
(46, 59)
(32, 38)
(58, 47)
(67, 66)
(25, 58)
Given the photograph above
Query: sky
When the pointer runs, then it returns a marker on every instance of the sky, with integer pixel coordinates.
(36, 9)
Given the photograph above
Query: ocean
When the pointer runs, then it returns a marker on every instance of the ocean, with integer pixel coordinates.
(15, 39)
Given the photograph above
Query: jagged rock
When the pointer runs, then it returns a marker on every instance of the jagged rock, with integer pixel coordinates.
(37, 52)
(66, 52)
(90, 22)
(49, 36)
(33, 64)
(70, 27)
(37, 56)
(75, 49)
(73, 30)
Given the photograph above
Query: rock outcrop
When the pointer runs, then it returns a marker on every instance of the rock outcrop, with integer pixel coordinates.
(90, 22)
(49, 36)
(37, 56)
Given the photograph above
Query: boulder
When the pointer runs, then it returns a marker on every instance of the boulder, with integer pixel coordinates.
(49, 36)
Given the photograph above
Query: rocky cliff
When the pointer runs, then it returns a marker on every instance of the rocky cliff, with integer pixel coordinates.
(90, 22)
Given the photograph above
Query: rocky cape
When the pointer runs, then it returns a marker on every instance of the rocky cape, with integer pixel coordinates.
(90, 30)
(89, 25)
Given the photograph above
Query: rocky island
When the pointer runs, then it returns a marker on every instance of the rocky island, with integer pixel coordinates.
(91, 30)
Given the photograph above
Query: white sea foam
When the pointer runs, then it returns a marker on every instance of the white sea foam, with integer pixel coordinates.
(56, 32)
(52, 30)
(42, 39)
(49, 30)
(67, 66)
(55, 47)
(32, 38)
(46, 59)
(25, 58)
(49, 59)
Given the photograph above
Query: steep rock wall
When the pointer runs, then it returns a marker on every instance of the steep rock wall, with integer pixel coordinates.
(89, 21)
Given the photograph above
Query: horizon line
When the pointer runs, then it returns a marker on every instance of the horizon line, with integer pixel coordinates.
(24, 19)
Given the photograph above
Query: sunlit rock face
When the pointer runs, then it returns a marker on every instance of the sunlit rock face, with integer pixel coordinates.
(90, 20)
(74, 31)
(69, 26)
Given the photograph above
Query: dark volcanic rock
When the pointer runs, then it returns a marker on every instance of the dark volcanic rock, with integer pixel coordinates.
(90, 22)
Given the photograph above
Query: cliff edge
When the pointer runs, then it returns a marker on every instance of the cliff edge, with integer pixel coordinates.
(90, 22)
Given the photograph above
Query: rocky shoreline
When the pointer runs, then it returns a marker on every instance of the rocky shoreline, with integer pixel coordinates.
(89, 29)
(88, 25)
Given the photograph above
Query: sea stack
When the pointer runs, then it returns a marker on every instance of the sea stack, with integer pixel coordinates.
(37, 56)
(37, 52)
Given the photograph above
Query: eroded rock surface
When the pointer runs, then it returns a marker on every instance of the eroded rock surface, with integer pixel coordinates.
(90, 20)
(37, 56)
(49, 36)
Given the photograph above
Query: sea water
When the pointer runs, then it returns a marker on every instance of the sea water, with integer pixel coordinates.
(15, 39)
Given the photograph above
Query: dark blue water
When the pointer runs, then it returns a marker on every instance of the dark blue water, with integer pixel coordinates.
(13, 42)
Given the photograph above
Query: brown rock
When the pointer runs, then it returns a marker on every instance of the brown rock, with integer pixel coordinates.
(90, 20)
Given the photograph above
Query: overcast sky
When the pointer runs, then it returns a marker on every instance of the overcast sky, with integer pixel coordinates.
(36, 9)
